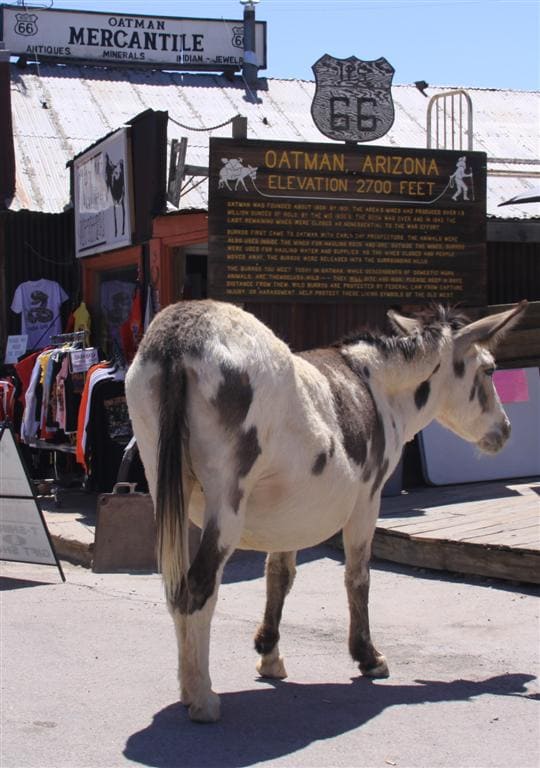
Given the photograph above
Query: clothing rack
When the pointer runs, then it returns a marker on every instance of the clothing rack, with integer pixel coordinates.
(54, 448)
(59, 340)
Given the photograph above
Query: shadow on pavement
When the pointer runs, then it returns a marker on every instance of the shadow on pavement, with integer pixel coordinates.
(7, 583)
(415, 500)
(245, 565)
(269, 723)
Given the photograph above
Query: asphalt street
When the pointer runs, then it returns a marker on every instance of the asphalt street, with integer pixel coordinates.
(89, 673)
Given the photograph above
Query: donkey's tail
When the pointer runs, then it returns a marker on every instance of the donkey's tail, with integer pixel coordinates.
(171, 517)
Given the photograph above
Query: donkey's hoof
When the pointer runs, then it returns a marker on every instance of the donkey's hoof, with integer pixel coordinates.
(378, 670)
(272, 667)
(185, 698)
(207, 712)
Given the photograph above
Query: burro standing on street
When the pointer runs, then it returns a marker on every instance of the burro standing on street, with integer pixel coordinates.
(273, 451)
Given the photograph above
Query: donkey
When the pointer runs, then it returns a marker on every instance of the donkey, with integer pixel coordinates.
(273, 451)
(115, 181)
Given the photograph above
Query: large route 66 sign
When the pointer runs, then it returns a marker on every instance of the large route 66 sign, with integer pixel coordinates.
(353, 98)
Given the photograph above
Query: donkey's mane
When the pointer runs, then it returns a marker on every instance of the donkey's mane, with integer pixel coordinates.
(442, 315)
(433, 318)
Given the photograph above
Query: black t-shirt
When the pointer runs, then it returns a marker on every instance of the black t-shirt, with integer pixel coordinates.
(108, 432)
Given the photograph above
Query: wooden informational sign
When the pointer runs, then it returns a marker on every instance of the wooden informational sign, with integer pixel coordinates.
(23, 532)
(327, 222)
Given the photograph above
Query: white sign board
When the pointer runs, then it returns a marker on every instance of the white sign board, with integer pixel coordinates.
(15, 347)
(170, 43)
(519, 391)
(82, 359)
(103, 196)
(23, 533)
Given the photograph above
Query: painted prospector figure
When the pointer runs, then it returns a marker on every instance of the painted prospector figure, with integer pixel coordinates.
(457, 179)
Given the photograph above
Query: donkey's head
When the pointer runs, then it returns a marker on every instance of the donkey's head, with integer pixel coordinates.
(468, 402)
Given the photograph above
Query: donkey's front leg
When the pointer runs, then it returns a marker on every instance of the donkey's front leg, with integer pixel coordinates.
(357, 536)
(280, 572)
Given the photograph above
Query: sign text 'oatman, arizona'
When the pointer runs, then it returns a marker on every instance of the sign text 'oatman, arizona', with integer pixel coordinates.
(311, 222)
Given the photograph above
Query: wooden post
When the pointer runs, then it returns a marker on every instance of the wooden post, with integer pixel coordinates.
(176, 170)
(249, 66)
(239, 127)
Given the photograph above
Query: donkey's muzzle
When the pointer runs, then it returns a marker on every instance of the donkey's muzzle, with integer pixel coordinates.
(496, 438)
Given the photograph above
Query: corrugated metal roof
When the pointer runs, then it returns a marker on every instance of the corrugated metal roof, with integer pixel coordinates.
(60, 110)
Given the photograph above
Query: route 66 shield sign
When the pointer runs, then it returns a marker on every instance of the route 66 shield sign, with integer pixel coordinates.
(26, 24)
(353, 98)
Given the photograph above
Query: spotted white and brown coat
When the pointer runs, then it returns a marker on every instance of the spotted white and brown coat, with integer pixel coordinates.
(273, 451)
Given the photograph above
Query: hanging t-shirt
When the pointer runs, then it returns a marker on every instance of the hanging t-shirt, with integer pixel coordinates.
(80, 320)
(38, 302)
(116, 297)
(132, 330)
(108, 433)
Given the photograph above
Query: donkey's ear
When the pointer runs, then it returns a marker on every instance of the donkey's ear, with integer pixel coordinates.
(490, 330)
(402, 324)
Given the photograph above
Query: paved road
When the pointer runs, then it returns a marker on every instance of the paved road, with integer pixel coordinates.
(89, 678)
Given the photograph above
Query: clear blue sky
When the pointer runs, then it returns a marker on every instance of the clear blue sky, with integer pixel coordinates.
(483, 43)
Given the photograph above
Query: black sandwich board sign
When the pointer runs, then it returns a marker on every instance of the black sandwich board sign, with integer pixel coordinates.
(24, 536)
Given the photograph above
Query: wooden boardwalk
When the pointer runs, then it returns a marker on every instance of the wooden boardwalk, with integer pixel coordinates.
(487, 529)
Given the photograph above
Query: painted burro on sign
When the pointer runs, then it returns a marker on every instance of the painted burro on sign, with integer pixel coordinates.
(310, 222)
(353, 98)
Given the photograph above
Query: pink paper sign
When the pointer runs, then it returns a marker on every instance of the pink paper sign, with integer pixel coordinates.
(512, 386)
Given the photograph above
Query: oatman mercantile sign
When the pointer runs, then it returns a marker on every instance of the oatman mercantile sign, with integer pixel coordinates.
(328, 222)
(113, 38)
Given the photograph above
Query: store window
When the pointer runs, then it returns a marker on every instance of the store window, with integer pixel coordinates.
(196, 274)
(189, 272)
(116, 292)
(109, 284)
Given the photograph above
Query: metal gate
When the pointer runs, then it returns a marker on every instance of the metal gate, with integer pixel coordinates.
(450, 121)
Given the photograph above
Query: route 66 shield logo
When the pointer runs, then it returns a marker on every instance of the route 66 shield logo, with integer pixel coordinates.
(353, 98)
(238, 37)
(26, 24)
